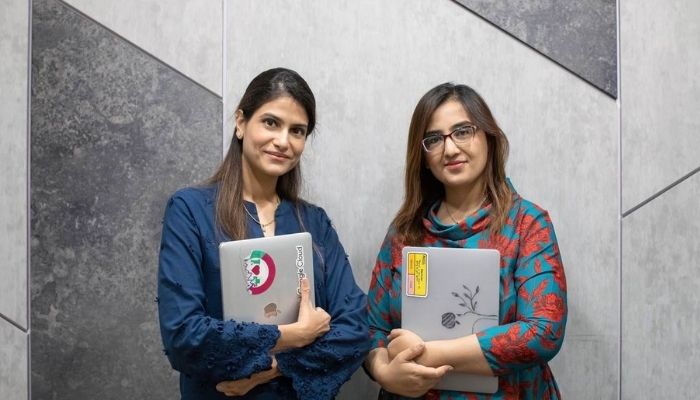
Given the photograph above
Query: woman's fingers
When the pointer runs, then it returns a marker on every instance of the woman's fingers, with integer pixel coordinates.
(432, 373)
(312, 322)
(410, 353)
(235, 388)
(305, 289)
(394, 333)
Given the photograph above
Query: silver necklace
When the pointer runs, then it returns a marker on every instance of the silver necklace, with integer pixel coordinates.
(449, 213)
(263, 225)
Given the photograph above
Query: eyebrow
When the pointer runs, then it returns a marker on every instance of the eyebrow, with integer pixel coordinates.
(278, 119)
(452, 128)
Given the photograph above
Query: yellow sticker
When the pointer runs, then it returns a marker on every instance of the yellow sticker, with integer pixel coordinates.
(417, 274)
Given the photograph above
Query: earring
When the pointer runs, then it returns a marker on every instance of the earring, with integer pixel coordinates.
(239, 135)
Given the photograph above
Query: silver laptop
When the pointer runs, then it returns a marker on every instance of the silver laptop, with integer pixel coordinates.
(260, 277)
(448, 293)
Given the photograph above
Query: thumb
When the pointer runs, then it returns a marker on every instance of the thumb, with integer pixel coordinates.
(395, 333)
(304, 289)
(411, 352)
(442, 370)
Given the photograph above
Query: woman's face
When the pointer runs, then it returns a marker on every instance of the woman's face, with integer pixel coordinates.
(273, 137)
(456, 165)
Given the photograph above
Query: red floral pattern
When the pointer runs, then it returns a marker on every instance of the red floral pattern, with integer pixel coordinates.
(533, 306)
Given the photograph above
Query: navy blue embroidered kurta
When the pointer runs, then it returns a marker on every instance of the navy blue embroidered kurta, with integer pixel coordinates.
(207, 350)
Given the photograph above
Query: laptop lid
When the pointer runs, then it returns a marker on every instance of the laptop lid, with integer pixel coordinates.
(448, 293)
(260, 277)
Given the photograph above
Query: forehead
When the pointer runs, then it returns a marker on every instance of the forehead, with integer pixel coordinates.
(447, 115)
(286, 109)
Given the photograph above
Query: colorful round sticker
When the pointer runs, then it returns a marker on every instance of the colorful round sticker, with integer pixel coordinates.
(260, 272)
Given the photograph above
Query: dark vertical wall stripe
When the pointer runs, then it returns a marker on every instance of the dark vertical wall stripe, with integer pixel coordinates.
(113, 132)
(579, 35)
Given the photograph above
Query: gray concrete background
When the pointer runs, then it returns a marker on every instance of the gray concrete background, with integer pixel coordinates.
(14, 53)
(368, 63)
(13, 362)
(660, 60)
(185, 34)
(550, 115)
(14, 22)
(114, 133)
(660, 282)
(580, 35)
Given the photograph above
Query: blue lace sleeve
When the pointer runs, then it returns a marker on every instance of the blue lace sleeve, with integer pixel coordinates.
(196, 344)
(319, 370)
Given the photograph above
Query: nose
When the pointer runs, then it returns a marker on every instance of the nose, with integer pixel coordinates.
(450, 147)
(281, 141)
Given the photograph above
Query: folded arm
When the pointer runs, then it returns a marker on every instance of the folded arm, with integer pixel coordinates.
(319, 369)
(537, 332)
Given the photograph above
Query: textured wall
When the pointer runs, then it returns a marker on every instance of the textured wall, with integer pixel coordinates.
(660, 96)
(14, 53)
(185, 34)
(369, 62)
(114, 132)
(660, 342)
(580, 35)
(14, 41)
(660, 84)
(13, 362)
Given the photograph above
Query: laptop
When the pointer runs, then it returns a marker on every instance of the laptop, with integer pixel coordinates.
(448, 293)
(260, 277)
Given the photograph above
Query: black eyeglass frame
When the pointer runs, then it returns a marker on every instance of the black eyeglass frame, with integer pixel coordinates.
(443, 138)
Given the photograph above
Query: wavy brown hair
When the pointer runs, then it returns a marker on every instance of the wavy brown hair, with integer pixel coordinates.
(422, 189)
(267, 86)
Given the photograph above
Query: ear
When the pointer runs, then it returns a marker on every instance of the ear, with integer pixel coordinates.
(240, 124)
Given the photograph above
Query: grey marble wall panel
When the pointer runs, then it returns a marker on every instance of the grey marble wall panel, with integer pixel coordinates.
(114, 132)
(660, 342)
(185, 34)
(580, 35)
(369, 62)
(14, 50)
(660, 95)
(13, 363)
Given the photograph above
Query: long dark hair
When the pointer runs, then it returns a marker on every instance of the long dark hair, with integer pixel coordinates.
(422, 189)
(267, 86)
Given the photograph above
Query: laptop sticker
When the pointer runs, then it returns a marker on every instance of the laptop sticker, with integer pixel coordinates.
(300, 266)
(272, 311)
(260, 272)
(417, 274)
(467, 300)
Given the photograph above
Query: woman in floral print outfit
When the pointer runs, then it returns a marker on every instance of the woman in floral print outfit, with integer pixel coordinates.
(457, 195)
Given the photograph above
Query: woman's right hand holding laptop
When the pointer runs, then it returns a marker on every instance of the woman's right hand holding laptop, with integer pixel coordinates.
(399, 373)
(312, 322)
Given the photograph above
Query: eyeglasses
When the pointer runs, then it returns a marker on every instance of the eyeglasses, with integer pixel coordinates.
(461, 135)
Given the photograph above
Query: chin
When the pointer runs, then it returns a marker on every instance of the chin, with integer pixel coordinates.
(458, 182)
(276, 170)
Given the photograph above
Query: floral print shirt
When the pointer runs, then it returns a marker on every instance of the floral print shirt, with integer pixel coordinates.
(532, 297)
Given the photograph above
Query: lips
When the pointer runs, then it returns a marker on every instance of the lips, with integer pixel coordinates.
(277, 155)
(454, 164)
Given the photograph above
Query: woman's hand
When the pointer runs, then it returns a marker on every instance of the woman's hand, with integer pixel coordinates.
(243, 386)
(400, 340)
(463, 354)
(312, 322)
(401, 375)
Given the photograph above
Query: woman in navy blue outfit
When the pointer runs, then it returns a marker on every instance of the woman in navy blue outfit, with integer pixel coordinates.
(255, 193)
